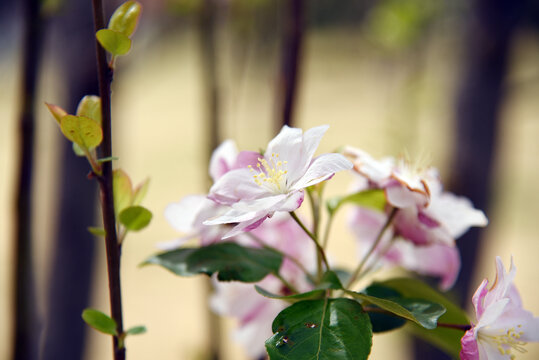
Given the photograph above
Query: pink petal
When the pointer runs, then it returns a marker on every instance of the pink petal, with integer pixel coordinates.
(234, 186)
(222, 159)
(182, 215)
(469, 350)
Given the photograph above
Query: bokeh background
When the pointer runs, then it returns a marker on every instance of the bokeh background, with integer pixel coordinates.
(454, 82)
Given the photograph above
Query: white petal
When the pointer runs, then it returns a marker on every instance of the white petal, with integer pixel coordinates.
(182, 215)
(234, 186)
(456, 213)
(322, 168)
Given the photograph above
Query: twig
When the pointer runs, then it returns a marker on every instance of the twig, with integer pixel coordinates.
(113, 248)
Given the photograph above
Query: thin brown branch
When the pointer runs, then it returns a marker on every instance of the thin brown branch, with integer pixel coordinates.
(113, 248)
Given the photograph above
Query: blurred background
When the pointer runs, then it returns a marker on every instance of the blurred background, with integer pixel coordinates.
(456, 82)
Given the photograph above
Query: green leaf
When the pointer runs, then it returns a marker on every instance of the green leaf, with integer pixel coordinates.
(99, 321)
(174, 260)
(231, 261)
(328, 329)
(383, 322)
(122, 190)
(83, 131)
(136, 330)
(90, 106)
(422, 312)
(125, 18)
(373, 199)
(78, 150)
(313, 294)
(135, 218)
(57, 112)
(97, 231)
(446, 339)
(329, 281)
(140, 192)
(114, 42)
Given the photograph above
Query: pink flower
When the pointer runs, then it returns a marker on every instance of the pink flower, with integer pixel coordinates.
(254, 312)
(503, 326)
(275, 181)
(438, 260)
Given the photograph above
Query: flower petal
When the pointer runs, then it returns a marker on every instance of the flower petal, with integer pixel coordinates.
(234, 186)
(222, 159)
(469, 350)
(182, 215)
(322, 168)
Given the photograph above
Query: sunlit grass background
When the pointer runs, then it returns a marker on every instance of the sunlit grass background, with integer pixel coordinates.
(371, 100)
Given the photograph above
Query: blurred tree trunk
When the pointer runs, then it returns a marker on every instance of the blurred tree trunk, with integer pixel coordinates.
(210, 86)
(74, 247)
(27, 326)
(294, 28)
(490, 30)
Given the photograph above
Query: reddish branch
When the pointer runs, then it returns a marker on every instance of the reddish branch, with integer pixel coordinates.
(113, 248)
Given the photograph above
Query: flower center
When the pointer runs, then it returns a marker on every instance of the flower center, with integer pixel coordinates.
(270, 174)
(506, 342)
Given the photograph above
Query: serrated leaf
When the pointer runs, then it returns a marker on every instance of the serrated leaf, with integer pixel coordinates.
(83, 131)
(445, 338)
(122, 190)
(136, 330)
(231, 262)
(125, 18)
(373, 199)
(174, 261)
(99, 321)
(114, 42)
(90, 106)
(97, 231)
(135, 218)
(140, 192)
(325, 329)
(56, 111)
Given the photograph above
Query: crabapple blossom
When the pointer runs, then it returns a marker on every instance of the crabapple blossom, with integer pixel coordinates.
(276, 180)
(255, 313)
(503, 326)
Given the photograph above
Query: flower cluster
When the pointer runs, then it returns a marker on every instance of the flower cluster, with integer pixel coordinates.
(414, 225)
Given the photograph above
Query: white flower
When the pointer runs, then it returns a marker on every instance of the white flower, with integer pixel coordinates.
(275, 182)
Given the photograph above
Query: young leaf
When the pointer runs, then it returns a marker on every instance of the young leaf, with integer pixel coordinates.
(90, 106)
(97, 231)
(125, 18)
(384, 322)
(78, 150)
(231, 261)
(83, 131)
(136, 330)
(140, 192)
(373, 199)
(135, 218)
(445, 338)
(329, 329)
(57, 112)
(114, 42)
(99, 321)
(122, 190)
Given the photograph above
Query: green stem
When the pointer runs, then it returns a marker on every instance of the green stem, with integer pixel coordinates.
(321, 253)
(325, 239)
(260, 242)
(388, 222)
